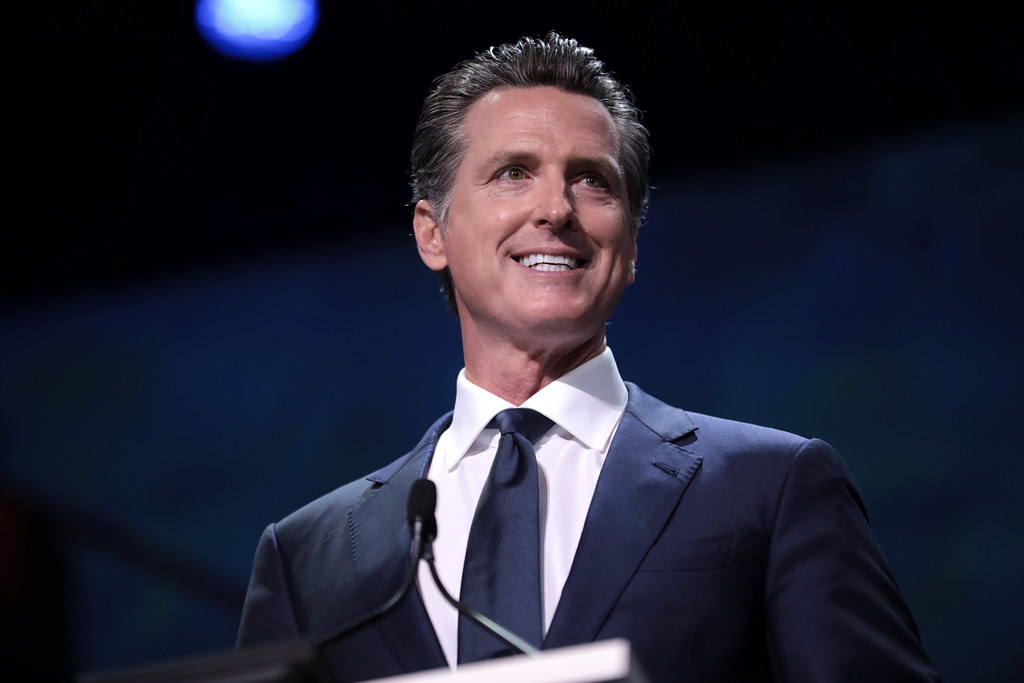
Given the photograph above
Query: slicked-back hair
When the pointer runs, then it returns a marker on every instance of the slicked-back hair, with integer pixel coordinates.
(439, 143)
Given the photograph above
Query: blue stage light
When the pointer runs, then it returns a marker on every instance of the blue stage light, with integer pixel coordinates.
(258, 30)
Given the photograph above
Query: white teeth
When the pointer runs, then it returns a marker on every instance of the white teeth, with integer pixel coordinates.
(549, 262)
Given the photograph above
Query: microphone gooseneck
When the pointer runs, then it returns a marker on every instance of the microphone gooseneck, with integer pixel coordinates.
(509, 638)
(423, 526)
(424, 493)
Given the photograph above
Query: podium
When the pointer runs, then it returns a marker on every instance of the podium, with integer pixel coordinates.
(607, 661)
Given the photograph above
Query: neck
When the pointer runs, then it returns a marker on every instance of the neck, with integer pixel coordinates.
(515, 374)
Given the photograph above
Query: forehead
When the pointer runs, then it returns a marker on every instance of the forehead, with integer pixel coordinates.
(543, 116)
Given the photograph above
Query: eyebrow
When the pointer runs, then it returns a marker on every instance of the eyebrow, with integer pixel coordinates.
(608, 164)
(512, 157)
(509, 157)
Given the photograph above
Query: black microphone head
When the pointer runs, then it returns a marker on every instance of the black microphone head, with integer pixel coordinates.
(422, 501)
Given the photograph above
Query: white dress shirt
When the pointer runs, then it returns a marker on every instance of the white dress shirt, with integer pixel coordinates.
(585, 405)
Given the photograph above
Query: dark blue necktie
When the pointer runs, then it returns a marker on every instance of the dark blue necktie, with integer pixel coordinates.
(501, 575)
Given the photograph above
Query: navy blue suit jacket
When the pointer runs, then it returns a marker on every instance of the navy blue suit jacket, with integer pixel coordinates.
(722, 551)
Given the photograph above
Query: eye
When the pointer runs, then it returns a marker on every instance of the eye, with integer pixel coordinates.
(514, 173)
(593, 180)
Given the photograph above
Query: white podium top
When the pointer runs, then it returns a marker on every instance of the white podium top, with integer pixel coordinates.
(606, 661)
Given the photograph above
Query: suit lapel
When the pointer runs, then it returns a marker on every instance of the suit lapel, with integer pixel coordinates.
(641, 482)
(639, 487)
(380, 547)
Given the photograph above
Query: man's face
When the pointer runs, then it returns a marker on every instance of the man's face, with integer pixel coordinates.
(537, 241)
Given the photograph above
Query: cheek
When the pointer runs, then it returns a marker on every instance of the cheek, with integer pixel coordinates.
(621, 240)
(502, 218)
(483, 223)
(609, 223)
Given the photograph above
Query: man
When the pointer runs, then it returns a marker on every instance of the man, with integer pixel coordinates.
(722, 551)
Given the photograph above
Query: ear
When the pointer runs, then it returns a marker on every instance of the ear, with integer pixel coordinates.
(632, 258)
(429, 240)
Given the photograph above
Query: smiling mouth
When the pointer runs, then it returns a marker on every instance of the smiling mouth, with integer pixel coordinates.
(549, 262)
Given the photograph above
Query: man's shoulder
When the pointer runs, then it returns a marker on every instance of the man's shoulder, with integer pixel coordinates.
(732, 451)
(331, 504)
(334, 506)
(693, 428)
(726, 429)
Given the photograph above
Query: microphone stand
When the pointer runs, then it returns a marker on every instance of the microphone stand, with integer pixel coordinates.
(506, 636)
(422, 501)
(392, 602)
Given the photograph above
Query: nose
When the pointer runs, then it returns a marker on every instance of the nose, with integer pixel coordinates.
(555, 208)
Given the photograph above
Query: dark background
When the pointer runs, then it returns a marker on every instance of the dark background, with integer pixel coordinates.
(210, 293)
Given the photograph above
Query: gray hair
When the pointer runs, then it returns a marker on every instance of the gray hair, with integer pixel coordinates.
(439, 144)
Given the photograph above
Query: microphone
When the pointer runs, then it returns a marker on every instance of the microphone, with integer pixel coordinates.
(423, 525)
(420, 513)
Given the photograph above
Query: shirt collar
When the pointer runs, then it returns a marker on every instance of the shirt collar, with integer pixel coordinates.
(587, 402)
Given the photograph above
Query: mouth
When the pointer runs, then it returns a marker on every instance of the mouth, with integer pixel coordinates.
(550, 262)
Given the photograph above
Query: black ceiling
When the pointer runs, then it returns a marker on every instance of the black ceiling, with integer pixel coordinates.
(139, 149)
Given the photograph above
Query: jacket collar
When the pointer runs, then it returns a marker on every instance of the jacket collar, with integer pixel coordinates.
(640, 485)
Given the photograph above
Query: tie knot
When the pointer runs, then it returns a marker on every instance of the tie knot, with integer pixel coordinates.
(525, 421)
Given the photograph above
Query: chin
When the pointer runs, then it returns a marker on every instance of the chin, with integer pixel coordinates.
(567, 324)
